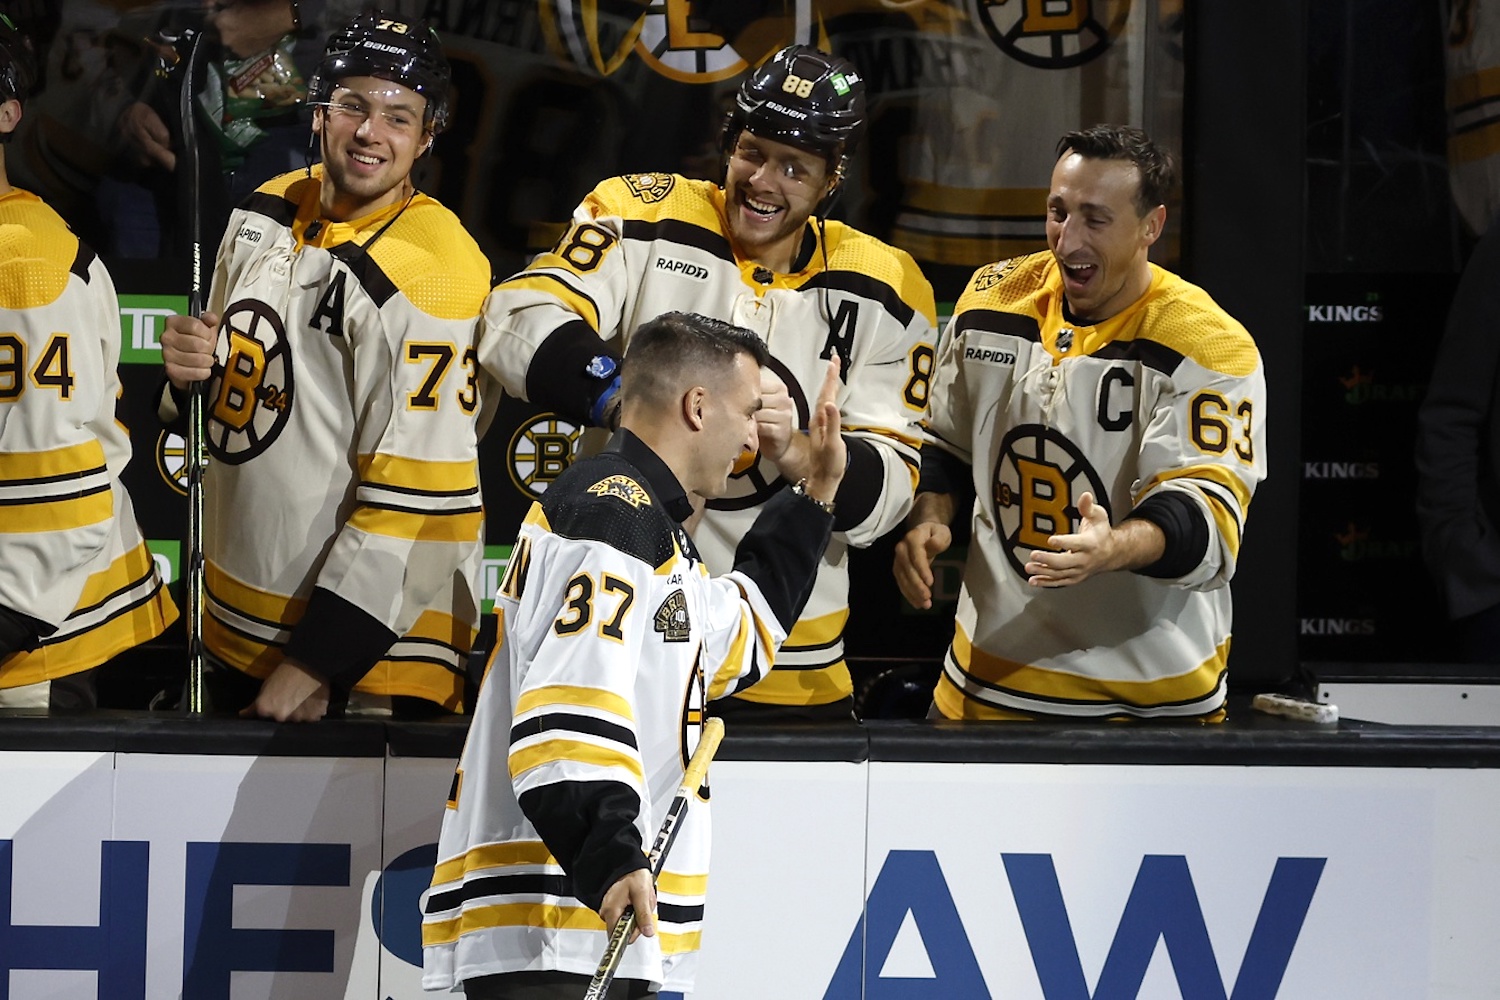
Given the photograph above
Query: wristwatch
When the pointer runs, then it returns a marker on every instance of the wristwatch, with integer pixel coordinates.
(800, 489)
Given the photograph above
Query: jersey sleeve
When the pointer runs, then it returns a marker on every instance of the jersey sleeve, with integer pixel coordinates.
(1206, 441)
(885, 398)
(543, 326)
(416, 520)
(948, 426)
(61, 449)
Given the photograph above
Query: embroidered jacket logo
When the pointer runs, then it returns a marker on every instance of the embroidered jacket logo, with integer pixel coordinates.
(622, 488)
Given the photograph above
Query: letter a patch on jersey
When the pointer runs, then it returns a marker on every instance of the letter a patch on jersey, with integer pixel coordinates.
(623, 488)
(671, 619)
(329, 314)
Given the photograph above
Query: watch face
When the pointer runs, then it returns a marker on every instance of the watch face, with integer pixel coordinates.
(601, 366)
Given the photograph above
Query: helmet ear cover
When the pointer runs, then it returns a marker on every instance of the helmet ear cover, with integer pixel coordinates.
(18, 70)
(373, 44)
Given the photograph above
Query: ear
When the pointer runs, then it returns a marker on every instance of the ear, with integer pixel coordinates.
(10, 115)
(1156, 221)
(426, 146)
(317, 122)
(694, 402)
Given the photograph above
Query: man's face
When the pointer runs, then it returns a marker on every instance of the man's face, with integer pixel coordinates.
(770, 192)
(1096, 235)
(372, 134)
(728, 426)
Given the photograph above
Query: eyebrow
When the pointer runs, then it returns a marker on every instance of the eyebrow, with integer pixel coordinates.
(403, 106)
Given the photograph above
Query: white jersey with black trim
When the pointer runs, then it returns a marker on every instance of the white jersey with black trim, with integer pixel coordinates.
(342, 433)
(1169, 395)
(615, 636)
(645, 244)
(71, 553)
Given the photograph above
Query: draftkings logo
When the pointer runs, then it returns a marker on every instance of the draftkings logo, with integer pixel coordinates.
(1053, 34)
(540, 451)
(1340, 470)
(1361, 386)
(1333, 627)
(1356, 545)
(1345, 314)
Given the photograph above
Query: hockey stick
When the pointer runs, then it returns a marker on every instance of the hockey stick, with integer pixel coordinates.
(197, 452)
(697, 769)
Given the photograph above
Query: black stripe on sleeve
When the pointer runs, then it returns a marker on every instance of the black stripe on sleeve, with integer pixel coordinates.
(862, 486)
(568, 722)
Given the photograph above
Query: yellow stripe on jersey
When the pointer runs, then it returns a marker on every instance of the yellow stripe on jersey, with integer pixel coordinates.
(679, 944)
(819, 631)
(821, 686)
(1474, 87)
(87, 456)
(415, 527)
(1024, 679)
(580, 304)
(538, 915)
(61, 514)
(551, 751)
(1477, 144)
(1228, 524)
(38, 252)
(415, 679)
(510, 855)
(734, 660)
(952, 703)
(678, 884)
(419, 474)
(571, 696)
(910, 440)
(251, 601)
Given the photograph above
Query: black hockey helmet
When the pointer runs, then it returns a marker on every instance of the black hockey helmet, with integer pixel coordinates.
(379, 45)
(803, 97)
(17, 63)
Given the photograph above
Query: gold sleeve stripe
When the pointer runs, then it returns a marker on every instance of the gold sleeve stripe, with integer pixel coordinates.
(682, 885)
(460, 527)
(443, 628)
(910, 440)
(539, 915)
(520, 852)
(64, 514)
(571, 696)
(418, 474)
(550, 751)
(1218, 474)
(680, 944)
(75, 460)
(1228, 524)
(821, 631)
(1022, 678)
(252, 602)
(575, 301)
(537, 517)
(734, 660)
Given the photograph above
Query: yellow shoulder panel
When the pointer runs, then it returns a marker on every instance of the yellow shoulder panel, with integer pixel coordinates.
(654, 197)
(36, 252)
(851, 250)
(1185, 318)
(1011, 285)
(433, 260)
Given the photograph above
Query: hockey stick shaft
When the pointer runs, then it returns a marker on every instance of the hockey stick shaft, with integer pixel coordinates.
(197, 452)
(692, 779)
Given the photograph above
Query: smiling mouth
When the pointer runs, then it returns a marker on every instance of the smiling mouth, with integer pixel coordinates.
(367, 160)
(761, 208)
(1080, 273)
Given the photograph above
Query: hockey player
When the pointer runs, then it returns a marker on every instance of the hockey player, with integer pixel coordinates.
(1110, 418)
(615, 638)
(343, 523)
(753, 252)
(77, 583)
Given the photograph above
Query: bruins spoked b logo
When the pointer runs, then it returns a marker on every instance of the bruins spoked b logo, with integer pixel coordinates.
(1053, 34)
(254, 398)
(540, 451)
(1039, 476)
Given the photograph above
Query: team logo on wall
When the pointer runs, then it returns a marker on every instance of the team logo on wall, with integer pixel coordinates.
(171, 460)
(539, 452)
(577, 30)
(754, 479)
(253, 399)
(650, 188)
(1053, 34)
(1039, 476)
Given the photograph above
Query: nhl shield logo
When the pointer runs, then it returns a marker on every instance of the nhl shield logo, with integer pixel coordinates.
(671, 619)
(650, 188)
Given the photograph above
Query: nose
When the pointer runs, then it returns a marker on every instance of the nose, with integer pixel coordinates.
(1065, 240)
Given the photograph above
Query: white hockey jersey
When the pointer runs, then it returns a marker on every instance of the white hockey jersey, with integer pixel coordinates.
(1167, 395)
(342, 499)
(71, 553)
(614, 636)
(646, 244)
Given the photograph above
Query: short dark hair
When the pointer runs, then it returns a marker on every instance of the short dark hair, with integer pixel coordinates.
(677, 349)
(1156, 164)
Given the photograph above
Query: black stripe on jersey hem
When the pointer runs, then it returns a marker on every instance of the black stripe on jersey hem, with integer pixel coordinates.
(1481, 123)
(371, 278)
(567, 722)
(19, 501)
(680, 232)
(676, 913)
(124, 588)
(243, 634)
(366, 484)
(238, 613)
(787, 668)
(422, 640)
(520, 884)
(996, 321)
(456, 670)
(424, 511)
(59, 636)
(1147, 352)
(787, 647)
(1117, 705)
(60, 478)
(83, 260)
(273, 207)
(865, 287)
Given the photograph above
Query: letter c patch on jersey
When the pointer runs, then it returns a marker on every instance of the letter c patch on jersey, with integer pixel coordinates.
(1039, 475)
(253, 402)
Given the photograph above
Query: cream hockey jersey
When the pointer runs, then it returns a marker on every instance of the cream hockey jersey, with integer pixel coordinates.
(614, 636)
(343, 523)
(1169, 395)
(645, 244)
(71, 553)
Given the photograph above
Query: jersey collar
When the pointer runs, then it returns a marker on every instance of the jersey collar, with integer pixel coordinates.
(659, 479)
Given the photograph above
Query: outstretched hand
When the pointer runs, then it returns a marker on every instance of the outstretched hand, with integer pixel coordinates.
(1096, 547)
(828, 454)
